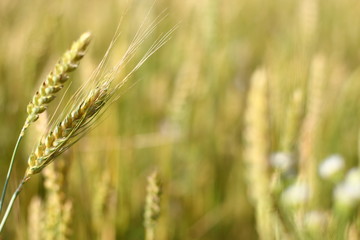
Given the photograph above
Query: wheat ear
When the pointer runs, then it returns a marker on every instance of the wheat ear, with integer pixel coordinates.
(63, 135)
(152, 206)
(58, 207)
(256, 153)
(54, 82)
(68, 131)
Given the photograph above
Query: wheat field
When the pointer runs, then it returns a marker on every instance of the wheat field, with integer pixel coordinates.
(206, 119)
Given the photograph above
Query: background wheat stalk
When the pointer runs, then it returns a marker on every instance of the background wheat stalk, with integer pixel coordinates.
(152, 206)
(256, 155)
(58, 206)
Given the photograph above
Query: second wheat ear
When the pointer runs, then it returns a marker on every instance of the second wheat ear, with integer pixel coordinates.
(63, 135)
(152, 205)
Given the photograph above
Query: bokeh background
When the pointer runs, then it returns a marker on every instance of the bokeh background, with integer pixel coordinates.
(184, 115)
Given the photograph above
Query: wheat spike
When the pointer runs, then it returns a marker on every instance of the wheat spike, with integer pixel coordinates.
(256, 153)
(310, 133)
(308, 18)
(293, 121)
(68, 131)
(58, 207)
(152, 206)
(56, 78)
(66, 220)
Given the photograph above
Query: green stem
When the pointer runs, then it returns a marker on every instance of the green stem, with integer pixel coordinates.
(11, 203)
(149, 233)
(10, 169)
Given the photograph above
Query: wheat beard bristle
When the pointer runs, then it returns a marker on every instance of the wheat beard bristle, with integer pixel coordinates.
(68, 131)
(57, 77)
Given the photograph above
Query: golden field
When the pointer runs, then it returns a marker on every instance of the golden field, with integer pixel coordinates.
(238, 84)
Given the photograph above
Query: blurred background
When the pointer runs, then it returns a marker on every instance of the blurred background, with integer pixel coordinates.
(185, 114)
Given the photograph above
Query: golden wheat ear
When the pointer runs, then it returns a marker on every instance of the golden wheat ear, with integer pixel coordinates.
(68, 131)
(54, 82)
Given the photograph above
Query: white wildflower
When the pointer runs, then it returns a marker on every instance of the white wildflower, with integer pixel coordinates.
(332, 168)
(296, 194)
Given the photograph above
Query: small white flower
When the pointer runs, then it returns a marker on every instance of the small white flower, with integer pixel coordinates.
(347, 194)
(353, 176)
(296, 194)
(282, 161)
(332, 168)
(315, 220)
